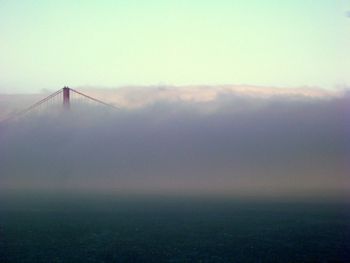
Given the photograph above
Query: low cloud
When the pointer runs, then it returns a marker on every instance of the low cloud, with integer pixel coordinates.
(228, 140)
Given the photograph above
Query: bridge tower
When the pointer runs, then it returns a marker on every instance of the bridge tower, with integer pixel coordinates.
(66, 94)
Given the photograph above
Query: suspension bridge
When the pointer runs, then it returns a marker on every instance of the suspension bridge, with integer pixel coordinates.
(63, 99)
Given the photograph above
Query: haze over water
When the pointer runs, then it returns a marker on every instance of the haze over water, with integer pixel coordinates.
(231, 143)
(210, 174)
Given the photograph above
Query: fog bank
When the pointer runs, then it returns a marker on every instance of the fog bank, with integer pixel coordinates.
(234, 143)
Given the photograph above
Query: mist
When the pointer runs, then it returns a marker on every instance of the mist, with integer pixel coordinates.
(239, 144)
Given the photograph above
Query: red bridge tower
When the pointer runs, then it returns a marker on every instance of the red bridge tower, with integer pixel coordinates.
(66, 103)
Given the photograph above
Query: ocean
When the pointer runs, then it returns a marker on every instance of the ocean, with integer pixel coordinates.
(111, 228)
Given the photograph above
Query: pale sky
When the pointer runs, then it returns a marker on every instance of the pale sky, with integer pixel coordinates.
(290, 43)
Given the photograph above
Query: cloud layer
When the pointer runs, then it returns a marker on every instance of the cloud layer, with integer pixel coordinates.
(228, 140)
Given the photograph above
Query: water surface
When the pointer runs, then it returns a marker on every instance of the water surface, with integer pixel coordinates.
(166, 229)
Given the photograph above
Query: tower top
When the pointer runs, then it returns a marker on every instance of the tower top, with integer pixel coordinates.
(66, 95)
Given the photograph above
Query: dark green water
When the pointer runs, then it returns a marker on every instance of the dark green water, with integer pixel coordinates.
(160, 229)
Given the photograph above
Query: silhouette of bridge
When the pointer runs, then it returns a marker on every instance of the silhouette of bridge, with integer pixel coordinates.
(64, 98)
